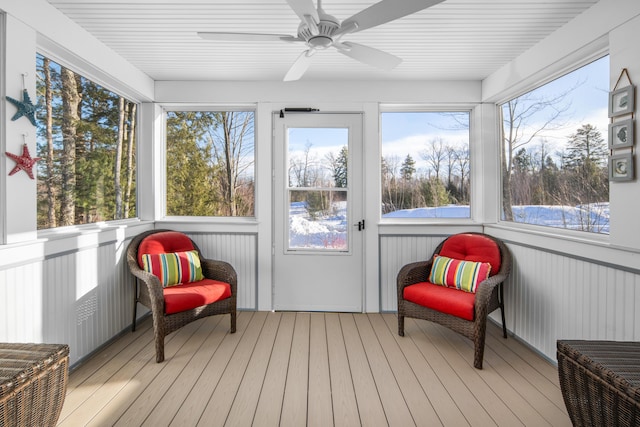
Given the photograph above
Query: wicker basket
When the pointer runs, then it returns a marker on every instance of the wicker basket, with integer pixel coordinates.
(600, 382)
(33, 383)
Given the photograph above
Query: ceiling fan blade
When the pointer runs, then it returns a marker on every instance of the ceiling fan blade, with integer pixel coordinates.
(386, 11)
(369, 55)
(247, 37)
(304, 7)
(300, 66)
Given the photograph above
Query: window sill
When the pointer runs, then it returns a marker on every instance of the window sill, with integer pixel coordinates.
(587, 246)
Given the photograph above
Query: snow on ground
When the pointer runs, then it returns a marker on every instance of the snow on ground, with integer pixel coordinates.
(450, 211)
(330, 231)
(590, 217)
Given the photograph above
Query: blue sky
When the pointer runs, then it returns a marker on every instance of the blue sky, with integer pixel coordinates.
(405, 133)
(411, 133)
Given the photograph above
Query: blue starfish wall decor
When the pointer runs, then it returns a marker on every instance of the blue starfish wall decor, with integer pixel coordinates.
(25, 107)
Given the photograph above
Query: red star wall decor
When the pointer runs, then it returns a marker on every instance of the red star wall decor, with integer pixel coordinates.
(24, 162)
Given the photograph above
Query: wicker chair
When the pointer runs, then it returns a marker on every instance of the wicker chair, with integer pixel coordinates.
(187, 302)
(487, 298)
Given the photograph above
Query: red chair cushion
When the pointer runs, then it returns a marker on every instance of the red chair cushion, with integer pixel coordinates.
(473, 247)
(443, 299)
(164, 242)
(191, 295)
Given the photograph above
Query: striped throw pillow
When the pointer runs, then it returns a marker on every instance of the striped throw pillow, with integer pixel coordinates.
(174, 268)
(455, 273)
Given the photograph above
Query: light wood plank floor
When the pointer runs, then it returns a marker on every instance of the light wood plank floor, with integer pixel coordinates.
(315, 369)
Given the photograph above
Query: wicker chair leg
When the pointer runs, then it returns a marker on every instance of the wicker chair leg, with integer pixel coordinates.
(400, 325)
(478, 342)
(159, 349)
(159, 332)
(501, 301)
(135, 306)
(477, 357)
(233, 322)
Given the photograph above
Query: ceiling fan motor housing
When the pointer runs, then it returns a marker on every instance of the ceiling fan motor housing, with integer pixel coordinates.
(327, 27)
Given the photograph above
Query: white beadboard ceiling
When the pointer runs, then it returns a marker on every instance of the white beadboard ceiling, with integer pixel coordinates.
(454, 40)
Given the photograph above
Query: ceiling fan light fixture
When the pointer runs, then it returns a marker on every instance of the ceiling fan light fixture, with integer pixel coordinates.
(320, 42)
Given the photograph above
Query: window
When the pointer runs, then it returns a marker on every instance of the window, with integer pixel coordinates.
(318, 188)
(210, 163)
(425, 164)
(554, 152)
(86, 137)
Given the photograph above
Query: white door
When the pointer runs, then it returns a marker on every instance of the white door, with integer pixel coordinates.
(318, 213)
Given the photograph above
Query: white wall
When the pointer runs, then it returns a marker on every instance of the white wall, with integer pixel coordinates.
(625, 230)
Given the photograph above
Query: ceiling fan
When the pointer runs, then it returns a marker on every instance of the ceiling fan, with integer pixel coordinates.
(319, 31)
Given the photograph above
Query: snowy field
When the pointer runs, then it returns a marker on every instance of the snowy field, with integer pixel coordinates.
(330, 231)
(593, 217)
(325, 232)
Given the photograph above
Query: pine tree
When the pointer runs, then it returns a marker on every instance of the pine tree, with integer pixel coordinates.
(586, 145)
(338, 165)
(70, 118)
(586, 172)
(408, 168)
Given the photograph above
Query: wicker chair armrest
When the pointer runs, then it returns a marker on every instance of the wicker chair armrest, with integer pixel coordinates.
(154, 287)
(414, 272)
(486, 288)
(220, 270)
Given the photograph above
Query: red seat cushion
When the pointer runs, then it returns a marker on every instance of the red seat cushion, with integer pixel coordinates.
(473, 247)
(441, 298)
(191, 295)
(164, 242)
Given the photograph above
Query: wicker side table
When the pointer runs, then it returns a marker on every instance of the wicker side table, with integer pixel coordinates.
(600, 382)
(33, 383)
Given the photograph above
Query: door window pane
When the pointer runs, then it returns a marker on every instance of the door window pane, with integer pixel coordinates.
(318, 220)
(318, 161)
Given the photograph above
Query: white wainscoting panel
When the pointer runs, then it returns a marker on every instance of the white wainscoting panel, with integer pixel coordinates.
(81, 298)
(241, 251)
(551, 296)
(89, 296)
(395, 252)
(21, 299)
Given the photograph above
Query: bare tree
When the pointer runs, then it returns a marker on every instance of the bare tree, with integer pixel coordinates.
(390, 166)
(461, 157)
(299, 168)
(524, 119)
(435, 154)
(231, 148)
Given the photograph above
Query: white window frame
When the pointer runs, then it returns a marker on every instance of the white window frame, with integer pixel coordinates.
(166, 108)
(474, 161)
(539, 80)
